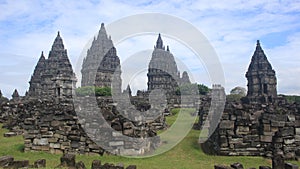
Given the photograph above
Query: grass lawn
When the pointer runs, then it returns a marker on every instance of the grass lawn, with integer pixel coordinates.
(186, 155)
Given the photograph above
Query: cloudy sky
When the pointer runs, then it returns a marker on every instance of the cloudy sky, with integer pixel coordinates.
(232, 28)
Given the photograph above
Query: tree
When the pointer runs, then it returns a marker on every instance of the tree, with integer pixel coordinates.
(203, 90)
(238, 91)
(188, 89)
(236, 94)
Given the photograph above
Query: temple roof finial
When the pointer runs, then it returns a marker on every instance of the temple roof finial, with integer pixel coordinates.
(168, 48)
(58, 43)
(102, 32)
(159, 42)
(15, 94)
(42, 58)
(257, 43)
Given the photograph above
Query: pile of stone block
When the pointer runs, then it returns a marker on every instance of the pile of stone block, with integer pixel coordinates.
(9, 162)
(257, 129)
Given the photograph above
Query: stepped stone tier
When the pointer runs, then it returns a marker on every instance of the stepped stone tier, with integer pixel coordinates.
(53, 76)
(261, 78)
(101, 66)
(163, 72)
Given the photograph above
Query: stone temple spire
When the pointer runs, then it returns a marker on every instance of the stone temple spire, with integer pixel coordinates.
(159, 43)
(101, 66)
(261, 77)
(15, 94)
(36, 79)
(58, 43)
(102, 33)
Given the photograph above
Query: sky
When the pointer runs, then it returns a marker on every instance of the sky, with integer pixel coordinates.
(232, 27)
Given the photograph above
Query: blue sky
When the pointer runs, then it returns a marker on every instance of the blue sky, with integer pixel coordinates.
(232, 27)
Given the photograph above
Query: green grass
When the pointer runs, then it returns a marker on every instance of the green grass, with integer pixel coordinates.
(186, 155)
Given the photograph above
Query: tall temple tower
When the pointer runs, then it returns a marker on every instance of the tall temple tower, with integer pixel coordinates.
(162, 71)
(101, 66)
(261, 78)
(53, 76)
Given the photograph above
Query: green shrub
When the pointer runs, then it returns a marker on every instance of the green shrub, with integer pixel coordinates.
(91, 91)
(292, 98)
(188, 89)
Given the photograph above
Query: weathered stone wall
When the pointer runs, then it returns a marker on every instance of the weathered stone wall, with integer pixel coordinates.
(257, 129)
(53, 125)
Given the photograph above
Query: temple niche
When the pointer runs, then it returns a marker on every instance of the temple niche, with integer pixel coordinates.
(53, 76)
(261, 78)
(163, 72)
(101, 67)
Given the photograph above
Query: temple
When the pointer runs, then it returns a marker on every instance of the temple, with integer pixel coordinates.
(101, 66)
(53, 76)
(163, 72)
(261, 78)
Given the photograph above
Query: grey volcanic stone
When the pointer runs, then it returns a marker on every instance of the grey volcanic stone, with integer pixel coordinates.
(67, 160)
(4, 160)
(96, 164)
(40, 163)
(290, 166)
(237, 166)
(222, 167)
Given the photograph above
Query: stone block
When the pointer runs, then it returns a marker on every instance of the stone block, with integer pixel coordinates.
(55, 123)
(75, 144)
(128, 132)
(291, 118)
(18, 164)
(267, 127)
(277, 123)
(9, 134)
(131, 167)
(264, 167)
(40, 142)
(286, 131)
(297, 130)
(297, 138)
(222, 167)
(116, 143)
(67, 160)
(120, 166)
(237, 166)
(277, 161)
(242, 130)
(53, 140)
(267, 139)
(223, 141)
(235, 140)
(80, 165)
(290, 166)
(41, 163)
(96, 164)
(226, 124)
(54, 145)
(289, 141)
(4, 160)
